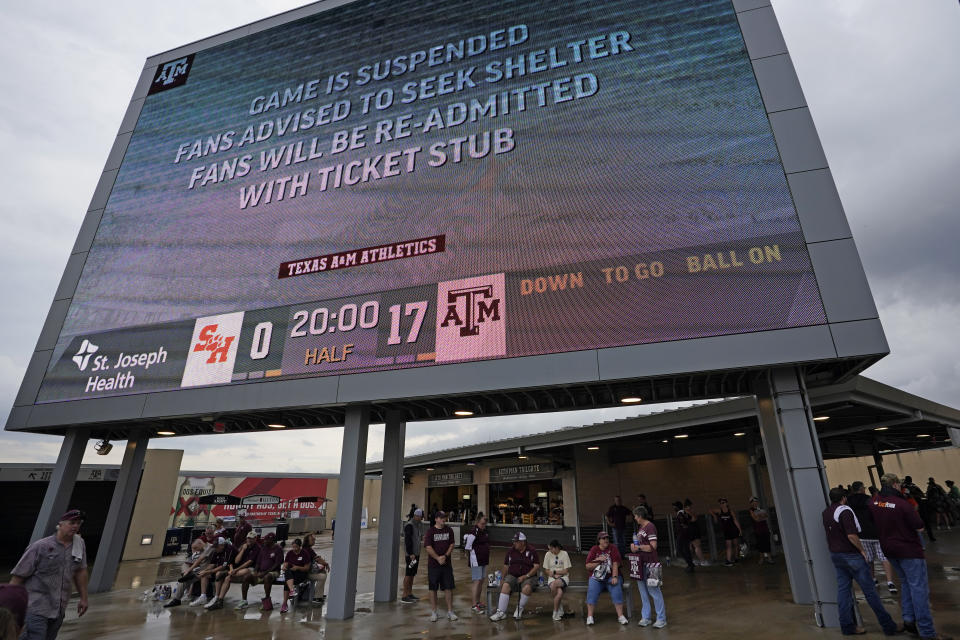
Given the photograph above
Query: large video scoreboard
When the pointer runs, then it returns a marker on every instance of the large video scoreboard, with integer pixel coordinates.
(392, 185)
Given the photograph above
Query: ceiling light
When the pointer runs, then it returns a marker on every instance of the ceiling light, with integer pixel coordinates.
(664, 441)
(166, 433)
(682, 435)
(821, 418)
(923, 435)
(881, 428)
(522, 457)
(593, 448)
(277, 425)
(471, 464)
(463, 412)
(429, 468)
(740, 433)
(631, 400)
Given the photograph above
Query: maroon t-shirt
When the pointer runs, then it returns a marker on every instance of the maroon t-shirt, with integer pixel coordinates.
(440, 540)
(521, 562)
(599, 555)
(837, 532)
(269, 559)
(646, 535)
(298, 558)
(897, 523)
(249, 553)
(240, 534)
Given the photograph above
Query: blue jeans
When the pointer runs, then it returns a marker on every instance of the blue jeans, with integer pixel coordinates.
(914, 593)
(40, 628)
(651, 593)
(596, 587)
(850, 567)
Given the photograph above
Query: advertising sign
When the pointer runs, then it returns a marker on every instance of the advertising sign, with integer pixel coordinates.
(202, 499)
(443, 181)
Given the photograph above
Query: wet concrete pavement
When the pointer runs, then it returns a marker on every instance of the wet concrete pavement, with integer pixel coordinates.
(715, 602)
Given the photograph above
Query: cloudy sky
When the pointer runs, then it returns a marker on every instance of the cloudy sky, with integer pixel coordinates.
(880, 77)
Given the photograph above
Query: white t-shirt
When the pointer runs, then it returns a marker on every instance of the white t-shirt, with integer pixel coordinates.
(553, 561)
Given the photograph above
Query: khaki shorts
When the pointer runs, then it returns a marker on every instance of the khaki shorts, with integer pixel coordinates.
(516, 585)
(268, 578)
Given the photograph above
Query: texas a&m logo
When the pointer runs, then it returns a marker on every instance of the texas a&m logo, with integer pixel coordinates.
(470, 318)
(213, 350)
(171, 74)
(216, 344)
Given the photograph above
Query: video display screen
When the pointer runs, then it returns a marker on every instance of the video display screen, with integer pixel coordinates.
(387, 185)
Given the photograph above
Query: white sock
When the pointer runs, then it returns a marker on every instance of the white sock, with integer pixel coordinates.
(523, 600)
(504, 602)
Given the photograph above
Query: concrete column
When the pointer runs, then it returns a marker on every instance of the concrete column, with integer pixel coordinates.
(391, 506)
(346, 549)
(800, 488)
(57, 498)
(118, 516)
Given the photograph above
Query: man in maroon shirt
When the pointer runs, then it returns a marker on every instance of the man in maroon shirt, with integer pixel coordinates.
(849, 559)
(899, 526)
(520, 567)
(438, 543)
(243, 528)
(267, 569)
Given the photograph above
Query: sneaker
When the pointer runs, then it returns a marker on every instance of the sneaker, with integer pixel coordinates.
(706, 563)
(558, 615)
(199, 601)
(407, 600)
(211, 604)
(433, 616)
(452, 617)
(589, 620)
(218, 604)
(911, 628)
(892, 588)
(414, 597)
(173, 603)
(243, 604)
(659, 624)
(476, 608)
(728, 564)
(622, 620)
(284, 608)
(293, 594)
(770, 561)
(645, 622)
(498, 616)
(518, 614)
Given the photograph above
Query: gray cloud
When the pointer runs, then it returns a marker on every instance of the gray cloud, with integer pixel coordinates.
(879, 76)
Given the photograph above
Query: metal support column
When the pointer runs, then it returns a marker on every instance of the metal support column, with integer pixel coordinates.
(800, 488)
(118, 516)
(391, 506)
(346, 548)
(56, 499)
(878, 460)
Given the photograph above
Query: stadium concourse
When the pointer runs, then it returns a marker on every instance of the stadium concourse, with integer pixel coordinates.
(714, 602)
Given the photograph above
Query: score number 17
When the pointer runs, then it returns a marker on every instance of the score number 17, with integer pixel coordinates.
(419, 312)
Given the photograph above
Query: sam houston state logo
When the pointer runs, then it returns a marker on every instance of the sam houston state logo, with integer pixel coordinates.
(213, 350)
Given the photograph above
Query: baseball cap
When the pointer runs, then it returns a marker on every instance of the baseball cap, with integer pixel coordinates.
(418, 512)
(602, 535)
(72, 514)
(251, 534)
(519, 536)
(221, 541)
(270, 537)
(14, 597)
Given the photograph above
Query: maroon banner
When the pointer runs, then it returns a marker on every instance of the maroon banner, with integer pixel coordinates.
(369, 255)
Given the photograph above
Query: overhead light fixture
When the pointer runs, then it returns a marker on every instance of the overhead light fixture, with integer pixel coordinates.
(631, 400)
(923, 435)
(277, 425)
(881, 428)
(471, 464)
(465, 413)
(740, 433)
(665, 441)
(821, 418)
(681, 435)
(593, 448)
(103, 447)
(521, 457)
(429, 468)
(166, 433)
